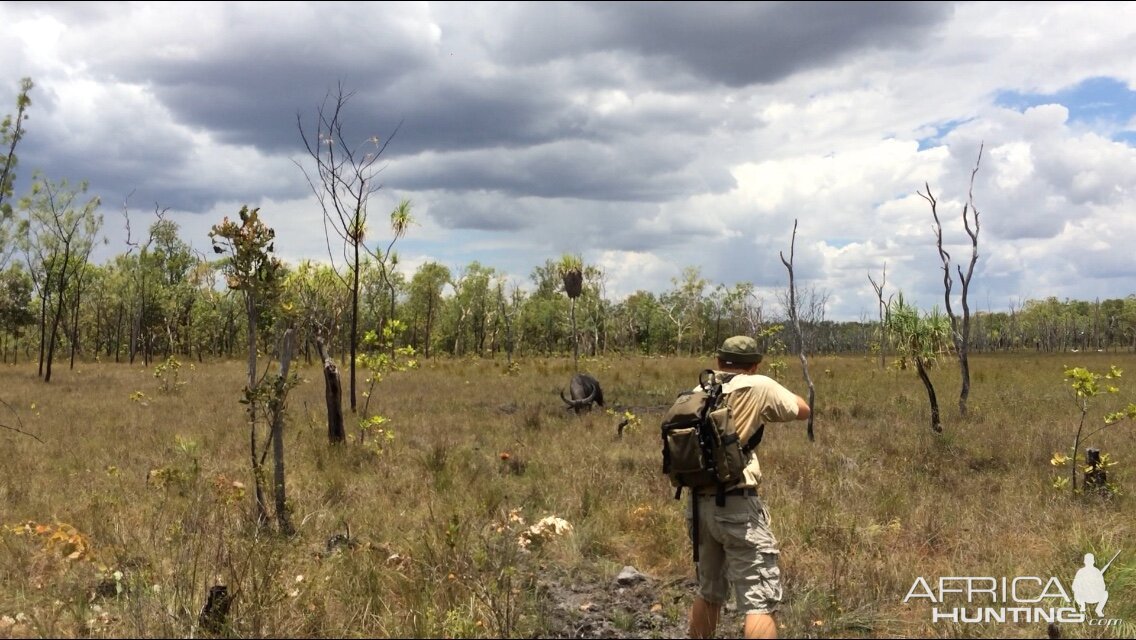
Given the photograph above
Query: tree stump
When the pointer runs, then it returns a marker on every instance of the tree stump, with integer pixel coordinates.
(1096, 478)
(333, 395)
(215, 614)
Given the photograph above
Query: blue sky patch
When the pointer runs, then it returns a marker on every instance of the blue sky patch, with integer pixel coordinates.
(1095, 100)
(941, 130)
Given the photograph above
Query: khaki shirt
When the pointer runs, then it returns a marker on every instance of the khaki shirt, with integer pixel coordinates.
(756, 399)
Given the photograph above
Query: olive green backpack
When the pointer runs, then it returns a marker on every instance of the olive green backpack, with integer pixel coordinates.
(701, 448)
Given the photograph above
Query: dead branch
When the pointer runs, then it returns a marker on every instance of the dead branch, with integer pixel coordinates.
(21, 423)
(796, 323)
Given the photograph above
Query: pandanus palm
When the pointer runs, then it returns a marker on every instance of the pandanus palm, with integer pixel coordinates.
(921, 337)
(572, 272)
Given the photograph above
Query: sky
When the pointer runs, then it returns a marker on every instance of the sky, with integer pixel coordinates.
(645, 138)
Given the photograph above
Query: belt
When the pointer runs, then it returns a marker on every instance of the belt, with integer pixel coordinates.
(748, 492)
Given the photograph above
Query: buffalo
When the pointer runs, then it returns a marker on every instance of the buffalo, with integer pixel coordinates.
(584, 390)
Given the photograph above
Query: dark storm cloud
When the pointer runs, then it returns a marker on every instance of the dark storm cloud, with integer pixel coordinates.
(257, 79)
(126, 156)
(248, 85)
(439, 114)
(261, 94)
(571, 226)
(642, 171)
(733, 43)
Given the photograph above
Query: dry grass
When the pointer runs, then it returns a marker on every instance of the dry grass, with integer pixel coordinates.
(150, 487)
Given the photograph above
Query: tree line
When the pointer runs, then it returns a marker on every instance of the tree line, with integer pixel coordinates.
(163, 299)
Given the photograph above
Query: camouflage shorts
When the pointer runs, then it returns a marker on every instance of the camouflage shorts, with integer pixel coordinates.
(736, 547)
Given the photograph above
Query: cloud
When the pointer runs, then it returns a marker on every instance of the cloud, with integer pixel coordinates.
(645, 137)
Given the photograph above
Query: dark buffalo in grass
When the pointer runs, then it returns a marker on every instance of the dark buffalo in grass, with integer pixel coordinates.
(584, 390)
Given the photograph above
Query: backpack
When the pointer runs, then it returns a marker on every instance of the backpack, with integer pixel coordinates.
(700, 440)
(701, 447)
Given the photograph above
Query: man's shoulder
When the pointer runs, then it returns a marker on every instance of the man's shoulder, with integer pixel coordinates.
(748, 380)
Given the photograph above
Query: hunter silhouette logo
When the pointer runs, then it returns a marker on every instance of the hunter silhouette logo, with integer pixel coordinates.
(1088, 585)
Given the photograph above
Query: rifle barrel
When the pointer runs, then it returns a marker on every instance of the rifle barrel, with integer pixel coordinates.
(1109, 563)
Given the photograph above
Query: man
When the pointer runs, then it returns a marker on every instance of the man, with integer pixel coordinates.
(1088, 585)
(735, 544)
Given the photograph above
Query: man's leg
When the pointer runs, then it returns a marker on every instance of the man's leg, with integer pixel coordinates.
(1100, 605)
(704, 618)
(753, 554)
(760, 625)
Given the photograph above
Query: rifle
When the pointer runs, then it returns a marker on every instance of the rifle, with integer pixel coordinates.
(1109, 563)
(713, 390)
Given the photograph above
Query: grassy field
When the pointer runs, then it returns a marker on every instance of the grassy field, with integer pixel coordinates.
(123, 504)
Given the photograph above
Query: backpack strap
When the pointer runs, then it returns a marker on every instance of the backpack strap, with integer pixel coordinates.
(719, 380)
(694, 523)
(754, 440)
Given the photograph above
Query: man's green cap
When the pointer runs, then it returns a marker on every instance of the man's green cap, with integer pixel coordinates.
(739, 350)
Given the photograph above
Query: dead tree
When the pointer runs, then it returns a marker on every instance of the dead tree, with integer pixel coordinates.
(795, 321)
(333, 396)
(960, 328)
(345, 178)
(879, 289)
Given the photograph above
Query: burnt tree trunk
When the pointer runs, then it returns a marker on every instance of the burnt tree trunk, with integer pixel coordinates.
(1096, 478)
(333, 395)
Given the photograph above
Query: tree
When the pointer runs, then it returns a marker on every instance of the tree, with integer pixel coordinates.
(146, 316)
(879, 289)
(57, 236)
(400, 221)
(344, 182)
(424, 305)
(541, 318)
(683, 305)
(206, 310)
(639, 312)
(795, 322)
(960, 329)
(921, 337)
(506, 309)
(76, 286)
(319, 301)
(251, 269)
(1087, 385)
(11, 132)
(15, 306)
(467, 314)
(571, 269)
